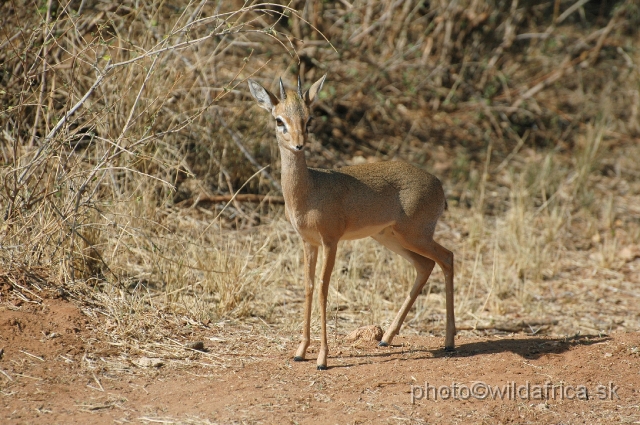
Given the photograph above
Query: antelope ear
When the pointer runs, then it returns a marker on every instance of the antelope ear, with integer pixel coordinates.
(312, 93)
(264, 98)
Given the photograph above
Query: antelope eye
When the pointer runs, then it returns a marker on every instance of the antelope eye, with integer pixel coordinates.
(281, 125)
(309, 122)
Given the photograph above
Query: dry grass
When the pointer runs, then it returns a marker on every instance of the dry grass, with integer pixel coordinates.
(530, 119)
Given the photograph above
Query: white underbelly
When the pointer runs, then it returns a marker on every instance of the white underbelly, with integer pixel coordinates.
(364, 232)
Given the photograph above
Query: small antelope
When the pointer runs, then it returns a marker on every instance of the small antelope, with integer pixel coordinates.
(395, 203)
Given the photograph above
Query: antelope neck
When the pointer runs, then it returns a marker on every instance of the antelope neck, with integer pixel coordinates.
(296, 180)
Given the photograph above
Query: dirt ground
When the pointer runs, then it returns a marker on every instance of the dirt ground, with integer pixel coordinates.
(56, 369)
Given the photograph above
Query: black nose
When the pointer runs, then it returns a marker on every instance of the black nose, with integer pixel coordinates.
(299, 147)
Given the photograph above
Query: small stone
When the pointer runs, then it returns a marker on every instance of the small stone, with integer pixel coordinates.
(358, 160)
(542, 406)
(149, 362)
(629, 253)
(196, 345)
(365, 333)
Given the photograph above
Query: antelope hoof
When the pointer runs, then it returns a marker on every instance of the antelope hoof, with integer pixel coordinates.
(322, 367)
(383, 344)
(449, 348)
(298, 359)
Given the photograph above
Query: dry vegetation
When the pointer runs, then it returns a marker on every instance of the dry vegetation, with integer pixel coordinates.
(120, 122)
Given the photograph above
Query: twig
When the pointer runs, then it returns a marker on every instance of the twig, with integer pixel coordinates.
(513, 153)
(92, 407)
(156, 420)
(80, 235)
(245, 197)
(9, 40)
(547, 80)
(459, 80)
(102, 75)
(206, 353)
(32, 355)
(509, 36)
(64, 119)
(508, 326)
(623, 291)
(14, 283)
(237, 139)
(35, 378)
(179, 46)
(135, 102)
(593, 55)
(95, 378)
(531, 35)
(23, 297)
(567, 182)
(43, 78)
(190, 119)
(7, 375)
(556, 9)
(232, 198)
(577, 5)
(356, 37)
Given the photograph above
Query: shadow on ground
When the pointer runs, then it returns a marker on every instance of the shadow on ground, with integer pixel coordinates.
(528, 348)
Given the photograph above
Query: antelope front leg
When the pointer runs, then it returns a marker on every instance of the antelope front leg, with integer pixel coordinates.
(329, 252)
(310, 258)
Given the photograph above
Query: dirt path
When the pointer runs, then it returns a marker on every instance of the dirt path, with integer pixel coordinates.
(56, 369)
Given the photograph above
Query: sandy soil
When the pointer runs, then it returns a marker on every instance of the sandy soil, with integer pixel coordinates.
(56, 368)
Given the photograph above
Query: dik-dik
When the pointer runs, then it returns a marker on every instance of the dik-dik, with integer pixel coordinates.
(395, 203)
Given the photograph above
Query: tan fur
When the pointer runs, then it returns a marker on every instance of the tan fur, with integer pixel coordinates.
(394, 202)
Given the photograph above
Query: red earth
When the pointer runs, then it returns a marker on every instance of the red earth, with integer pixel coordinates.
(57, 368)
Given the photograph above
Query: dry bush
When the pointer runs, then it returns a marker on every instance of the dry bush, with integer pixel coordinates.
(121, 119)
